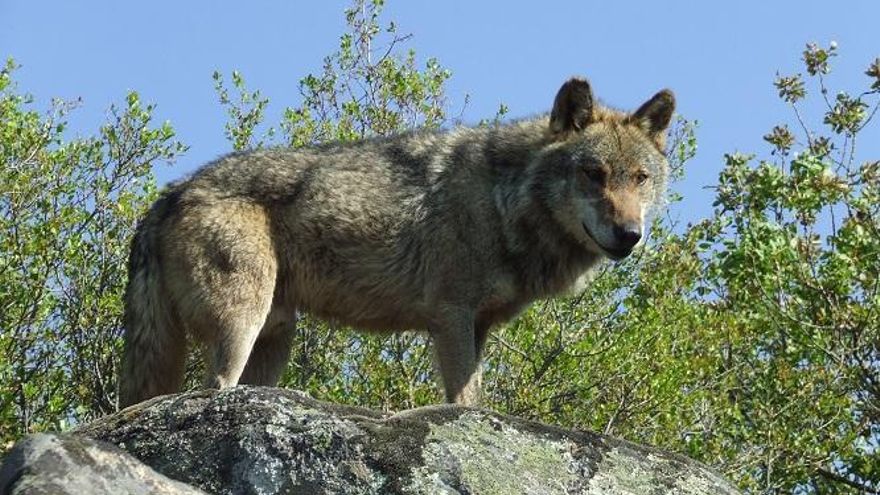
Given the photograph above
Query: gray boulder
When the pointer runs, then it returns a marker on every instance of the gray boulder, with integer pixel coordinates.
(254, 440)
(46, 464)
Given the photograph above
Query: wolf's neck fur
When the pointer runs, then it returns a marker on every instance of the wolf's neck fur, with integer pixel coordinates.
(543, 254)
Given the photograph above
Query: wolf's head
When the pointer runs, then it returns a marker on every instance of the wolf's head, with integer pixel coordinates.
(604, 169)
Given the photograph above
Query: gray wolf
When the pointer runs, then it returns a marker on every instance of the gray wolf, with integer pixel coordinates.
(450, 232)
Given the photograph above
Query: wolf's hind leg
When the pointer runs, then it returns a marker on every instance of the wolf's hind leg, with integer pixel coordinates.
(243, 309)
(237, 331)
(224, 264)
(228, 355)
(271, 352)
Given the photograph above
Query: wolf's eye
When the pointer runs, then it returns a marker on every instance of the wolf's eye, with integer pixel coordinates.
(641, 178)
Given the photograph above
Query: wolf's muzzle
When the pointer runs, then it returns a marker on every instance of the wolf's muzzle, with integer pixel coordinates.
(617, 253)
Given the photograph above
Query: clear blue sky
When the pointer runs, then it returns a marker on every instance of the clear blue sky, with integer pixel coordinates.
(719, 57)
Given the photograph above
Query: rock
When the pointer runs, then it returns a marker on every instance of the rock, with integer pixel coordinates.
(254, 440)
(47, 464)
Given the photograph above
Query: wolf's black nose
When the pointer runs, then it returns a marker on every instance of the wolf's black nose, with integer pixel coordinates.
(628, 235)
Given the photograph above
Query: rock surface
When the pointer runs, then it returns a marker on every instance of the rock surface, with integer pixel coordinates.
(253, 440)
(65, 464)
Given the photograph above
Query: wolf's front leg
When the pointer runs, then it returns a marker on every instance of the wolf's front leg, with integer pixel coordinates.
(457, 358)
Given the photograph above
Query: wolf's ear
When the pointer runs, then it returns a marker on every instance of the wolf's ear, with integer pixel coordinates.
(573, 107)
(655, 114)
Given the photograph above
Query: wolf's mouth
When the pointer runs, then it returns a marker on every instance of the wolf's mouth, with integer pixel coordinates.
(615, 254)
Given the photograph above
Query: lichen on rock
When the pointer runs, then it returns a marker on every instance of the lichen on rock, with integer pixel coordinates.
(258, 440)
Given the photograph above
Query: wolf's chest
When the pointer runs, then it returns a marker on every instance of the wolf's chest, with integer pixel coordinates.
(503, 300)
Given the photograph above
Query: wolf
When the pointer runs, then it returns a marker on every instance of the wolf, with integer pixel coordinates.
(449, 232)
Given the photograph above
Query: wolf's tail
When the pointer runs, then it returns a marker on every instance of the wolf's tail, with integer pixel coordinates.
(154, 354)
